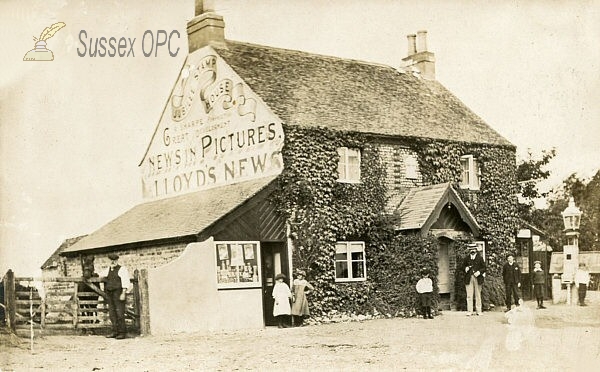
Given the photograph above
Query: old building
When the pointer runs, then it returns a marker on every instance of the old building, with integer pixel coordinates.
(267, 159)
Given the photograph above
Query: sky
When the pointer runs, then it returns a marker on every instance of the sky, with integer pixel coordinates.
(74, 130)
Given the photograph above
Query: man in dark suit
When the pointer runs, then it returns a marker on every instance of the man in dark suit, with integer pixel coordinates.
(511, 273)
(117, 283)
(474, 269)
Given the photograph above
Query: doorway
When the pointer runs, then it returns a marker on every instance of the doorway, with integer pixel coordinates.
(443, 278)
(274, 260)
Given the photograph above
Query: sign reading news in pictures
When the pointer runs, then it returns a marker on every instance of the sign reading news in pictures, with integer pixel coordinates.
(214, 131)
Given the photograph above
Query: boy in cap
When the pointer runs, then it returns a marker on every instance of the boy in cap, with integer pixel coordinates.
(539, 280)
(117, 283)
(425, 290)
(582, 279)
(474, 269)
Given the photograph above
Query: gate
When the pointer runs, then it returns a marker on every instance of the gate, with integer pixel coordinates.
(67, 305)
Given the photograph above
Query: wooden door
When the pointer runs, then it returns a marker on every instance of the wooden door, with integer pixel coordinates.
(443, 277)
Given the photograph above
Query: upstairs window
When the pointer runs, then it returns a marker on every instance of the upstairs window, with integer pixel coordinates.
(470, 173)
(350, 263)
(411, 167)
(349, 165)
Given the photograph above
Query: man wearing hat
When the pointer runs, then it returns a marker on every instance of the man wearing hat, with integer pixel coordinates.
(511, 273)
(474, 269)
(116, 285)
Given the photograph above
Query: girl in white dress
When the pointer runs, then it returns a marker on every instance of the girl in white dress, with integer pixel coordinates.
(281, 296)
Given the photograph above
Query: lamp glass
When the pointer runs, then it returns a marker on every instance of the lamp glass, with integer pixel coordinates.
(571, 216)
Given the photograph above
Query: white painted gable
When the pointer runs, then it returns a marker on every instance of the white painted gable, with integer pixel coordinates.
(214, 131)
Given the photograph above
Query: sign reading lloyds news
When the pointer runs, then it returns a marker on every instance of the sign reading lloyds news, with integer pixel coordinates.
(214, 131)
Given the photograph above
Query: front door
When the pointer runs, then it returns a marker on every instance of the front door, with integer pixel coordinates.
(443, 278)
(274, 261)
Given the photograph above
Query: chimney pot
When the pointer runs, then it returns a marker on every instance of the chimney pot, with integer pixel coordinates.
(418, 56)
(421, 41)
(412, 44)
(204, 6)
(206, 28)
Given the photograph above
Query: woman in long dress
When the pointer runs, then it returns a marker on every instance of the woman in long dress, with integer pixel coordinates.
(301, 287)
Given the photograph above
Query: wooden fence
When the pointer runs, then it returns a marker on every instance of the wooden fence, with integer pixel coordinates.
(62, 305)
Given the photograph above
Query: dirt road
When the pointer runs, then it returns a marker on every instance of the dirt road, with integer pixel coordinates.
(561, 337)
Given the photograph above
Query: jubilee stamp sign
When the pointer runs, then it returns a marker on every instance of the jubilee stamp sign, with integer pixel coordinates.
(214, 131)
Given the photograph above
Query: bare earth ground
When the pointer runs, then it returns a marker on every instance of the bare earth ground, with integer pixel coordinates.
(564, 337)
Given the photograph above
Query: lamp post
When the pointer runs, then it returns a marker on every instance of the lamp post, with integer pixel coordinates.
(571, 218)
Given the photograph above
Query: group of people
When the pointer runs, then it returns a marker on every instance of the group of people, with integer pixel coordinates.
(292, 302)
(474, 268)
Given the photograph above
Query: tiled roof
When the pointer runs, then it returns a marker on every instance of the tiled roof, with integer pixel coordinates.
(178, 216)
(314, 90)
(53, 260)
(419, 204)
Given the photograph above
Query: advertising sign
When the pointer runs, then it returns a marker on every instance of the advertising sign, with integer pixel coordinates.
(213, 131)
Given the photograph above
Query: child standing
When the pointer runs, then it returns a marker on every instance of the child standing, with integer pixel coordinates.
(539, 280)
(582, 280)
(300, 303)
(425, 289)
(281, 296)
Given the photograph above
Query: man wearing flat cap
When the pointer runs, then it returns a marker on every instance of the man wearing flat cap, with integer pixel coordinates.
(474, 268)
(116, 284)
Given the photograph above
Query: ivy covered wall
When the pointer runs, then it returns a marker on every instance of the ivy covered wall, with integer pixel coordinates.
(322, 210)
(494, 205)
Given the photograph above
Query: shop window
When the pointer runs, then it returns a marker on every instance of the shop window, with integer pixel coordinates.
(238, 264)
(470, 173)
(349, 165)
(350, 263)
(523, 254)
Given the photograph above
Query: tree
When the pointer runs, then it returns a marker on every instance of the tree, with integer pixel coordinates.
(587, 198)
(530, 172)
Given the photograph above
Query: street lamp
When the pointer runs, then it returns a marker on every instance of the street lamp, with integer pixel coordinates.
(571, 218)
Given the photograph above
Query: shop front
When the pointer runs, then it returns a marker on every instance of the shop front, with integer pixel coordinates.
(215, 286)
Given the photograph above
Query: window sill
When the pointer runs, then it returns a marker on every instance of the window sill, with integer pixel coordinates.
(350, 280)
(349, 181)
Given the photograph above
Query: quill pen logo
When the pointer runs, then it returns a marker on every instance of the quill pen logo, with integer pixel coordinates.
(40, 52)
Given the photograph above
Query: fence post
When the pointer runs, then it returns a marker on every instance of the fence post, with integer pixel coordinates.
(75, 305)
(136, 298)
(144, 303)
(10, 300)
(43, 312)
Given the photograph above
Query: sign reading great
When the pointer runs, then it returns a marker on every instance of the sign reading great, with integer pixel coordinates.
(214, 131)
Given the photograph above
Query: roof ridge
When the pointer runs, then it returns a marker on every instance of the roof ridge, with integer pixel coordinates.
(316, 55)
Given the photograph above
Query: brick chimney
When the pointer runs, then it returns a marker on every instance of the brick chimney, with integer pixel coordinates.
(418, 55)
(206, 28)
